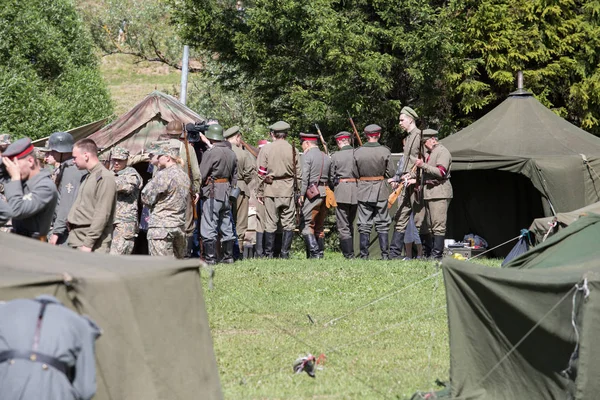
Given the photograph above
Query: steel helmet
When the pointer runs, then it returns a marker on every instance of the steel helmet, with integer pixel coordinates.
(61, 142)
(215, 132)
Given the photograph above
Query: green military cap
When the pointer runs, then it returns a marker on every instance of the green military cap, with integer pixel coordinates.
(231, 131)
(309, 136)
(5, 139)
(120, 153)
(343, 135)
(280, 126)
(429, 133)
(410, 112)
(372, 130)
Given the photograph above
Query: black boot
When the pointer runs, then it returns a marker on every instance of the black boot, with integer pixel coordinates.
(321, 243)
(438, 247)
(427, 242)
(312, 246)
(365, 241)
(278, 244)
(209, 252)
(397, 245)
(259, 253)
(227, 248)
(269, 244)
(286, 243)
(383, 245)
(347, 246)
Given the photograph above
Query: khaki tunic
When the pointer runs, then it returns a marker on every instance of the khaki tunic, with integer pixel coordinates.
(373, 159)
(246, 170)
(94, 210)
(437, 189)
(409, 202)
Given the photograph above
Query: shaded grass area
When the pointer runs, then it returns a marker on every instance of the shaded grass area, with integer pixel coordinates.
(381, 325)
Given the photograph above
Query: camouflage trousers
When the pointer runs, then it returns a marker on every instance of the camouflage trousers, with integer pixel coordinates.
(123, 238)
(167, 242)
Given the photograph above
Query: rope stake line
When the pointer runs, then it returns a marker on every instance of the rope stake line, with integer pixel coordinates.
(494, 248)
(586, 293)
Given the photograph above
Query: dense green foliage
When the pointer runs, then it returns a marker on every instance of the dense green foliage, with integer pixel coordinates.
(49, 78)
(452, 61)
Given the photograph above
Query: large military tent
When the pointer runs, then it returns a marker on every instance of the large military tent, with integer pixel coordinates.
(528, 333)
(541, 226)
(144, 123)
(519, 162)
(156, 341)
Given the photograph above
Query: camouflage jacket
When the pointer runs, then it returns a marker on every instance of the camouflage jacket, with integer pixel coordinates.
(129, 184)
(167, 197)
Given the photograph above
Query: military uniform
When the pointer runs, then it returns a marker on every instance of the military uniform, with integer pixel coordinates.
(374, 165)
(5, 212)
(276, 171)
(92, 214)
(32, 201)
(125, 226)
(68, 179)
(219, 173)
(437, 191)
(345, 177)
(46, 351)
(261, 213)
(167, 197)
(315, 171)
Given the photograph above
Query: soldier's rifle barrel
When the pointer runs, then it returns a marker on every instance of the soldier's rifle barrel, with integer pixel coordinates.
(354, 128)
(322, 140)
(249, 148)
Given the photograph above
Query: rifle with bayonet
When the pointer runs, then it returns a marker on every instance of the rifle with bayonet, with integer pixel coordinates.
(354, 129)
(329, 195)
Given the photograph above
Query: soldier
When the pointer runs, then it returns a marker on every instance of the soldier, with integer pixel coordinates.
(167, 197)
(30, 193)
(91, 217)
(129, 183)
(260, 212)
(246, 170)
(315, 175)
(373, 165)
(4, 141)
(345, 177)
(437, 188)
(410, 201)
(278, 166)
(46, 351)
(49, 160)
(67, 178)
(219, 175)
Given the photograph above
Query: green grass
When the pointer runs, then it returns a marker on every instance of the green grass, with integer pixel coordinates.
(381, 325)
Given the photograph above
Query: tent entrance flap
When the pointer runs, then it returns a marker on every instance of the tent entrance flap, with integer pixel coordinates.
(493, 204)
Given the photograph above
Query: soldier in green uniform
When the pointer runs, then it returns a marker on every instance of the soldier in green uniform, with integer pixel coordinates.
(129, 183)
(374, 165)
(246, 170)
(261, 213)
(30, 192)
(276, 172)
(437, 188)
(91, 217)
(219, 175)
(166, 195)
(315, 176)
(345, 178)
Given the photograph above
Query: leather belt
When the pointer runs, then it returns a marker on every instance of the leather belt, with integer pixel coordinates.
(75, 226)
(281, 177)
(221, 180)
(371, 178)
(45, 360)
(345, 180)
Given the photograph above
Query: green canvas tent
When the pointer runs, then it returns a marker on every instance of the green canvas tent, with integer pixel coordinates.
(512, 332)
(144, 123)
(519, 162)
(156, 341)
(541, 226)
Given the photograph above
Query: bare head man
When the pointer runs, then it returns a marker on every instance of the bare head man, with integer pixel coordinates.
(85, 154)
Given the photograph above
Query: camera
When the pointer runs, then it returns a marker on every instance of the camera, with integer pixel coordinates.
(194, 130)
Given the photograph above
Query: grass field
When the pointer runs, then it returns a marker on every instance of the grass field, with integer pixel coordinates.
(381, 325)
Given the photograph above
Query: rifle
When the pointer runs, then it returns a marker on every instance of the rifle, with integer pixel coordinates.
(322, 140)
(329, 195)
(396, 193)
(296, 190)
(189, 164)
(250, 149)
(354, 128)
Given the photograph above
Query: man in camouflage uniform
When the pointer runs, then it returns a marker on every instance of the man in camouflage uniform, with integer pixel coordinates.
(374, 165)
(437, 188)
(246, 169)
(219, 175)
(276, 172)
(315, 172)
(345, 177)
(166, 194)
(129, 183)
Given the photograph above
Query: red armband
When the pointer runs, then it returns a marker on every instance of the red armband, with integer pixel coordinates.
(443, 170)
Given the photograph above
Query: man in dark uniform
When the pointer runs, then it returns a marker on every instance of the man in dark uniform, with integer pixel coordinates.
(374, 165)
(345, 177)
(315, 176)
(219, 174)
(30, 193)
(68, 178)
(46, 351)
(437, 188)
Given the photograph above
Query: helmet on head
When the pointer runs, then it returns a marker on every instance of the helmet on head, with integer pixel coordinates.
(215, 132)
(174, 128)
(61, 142)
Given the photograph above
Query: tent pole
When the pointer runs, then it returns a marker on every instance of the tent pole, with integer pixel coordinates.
(184, 73)
(520, 80)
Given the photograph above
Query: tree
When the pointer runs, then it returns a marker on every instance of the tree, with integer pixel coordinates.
(49, 79)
